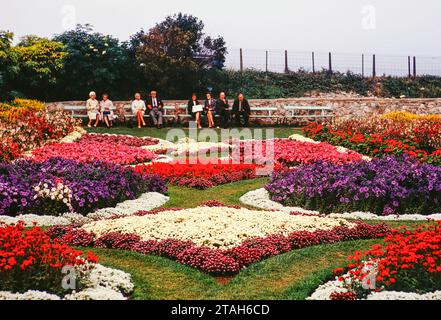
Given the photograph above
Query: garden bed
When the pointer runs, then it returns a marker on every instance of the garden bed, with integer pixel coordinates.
(214, 238)
(57, 186)
(390, 185)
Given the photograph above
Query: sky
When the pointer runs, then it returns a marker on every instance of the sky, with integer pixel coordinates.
(396, 27)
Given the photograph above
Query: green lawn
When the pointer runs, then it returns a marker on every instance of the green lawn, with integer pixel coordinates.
(279, 132)
(293, 275)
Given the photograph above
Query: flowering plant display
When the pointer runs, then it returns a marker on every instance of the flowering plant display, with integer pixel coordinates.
(389, 185)
(35, 129)
(214, 239)
(290, 152)
(31, 260)
(58, 185)
(198, 175)
(118, 140)
(418, 137)
(9, 150)
(408, 261)
(90, 151)
(18, 108)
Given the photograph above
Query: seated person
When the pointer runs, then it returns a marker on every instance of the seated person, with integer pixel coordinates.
(138, 109)
(241, 110)
(224, 108)
(193, 102)
(106, 107)
(210, 109)
(93, 109)
(156, 107)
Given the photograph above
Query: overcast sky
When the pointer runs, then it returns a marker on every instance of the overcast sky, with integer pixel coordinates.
(402, 27)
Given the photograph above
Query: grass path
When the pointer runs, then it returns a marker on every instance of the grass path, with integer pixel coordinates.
(293, 275)
(279, 132)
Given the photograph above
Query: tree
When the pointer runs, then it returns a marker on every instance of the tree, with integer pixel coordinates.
(8, 66)
(95, 62)
(39, 63)
(174, 53)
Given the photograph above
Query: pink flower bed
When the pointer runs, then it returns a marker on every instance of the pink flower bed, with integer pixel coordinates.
(119, 139)
(95, 151)
(217, 261)
(292, 153)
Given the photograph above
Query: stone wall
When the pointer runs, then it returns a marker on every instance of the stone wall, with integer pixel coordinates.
(342, 107)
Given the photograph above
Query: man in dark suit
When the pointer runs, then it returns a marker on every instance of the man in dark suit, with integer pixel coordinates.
(241, 110)
(156, 109)
(223, 108)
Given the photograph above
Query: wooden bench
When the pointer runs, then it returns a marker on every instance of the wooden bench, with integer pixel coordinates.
(268, 110)
(316, 112)
(129, 115)
(77, 111)
(80, 111)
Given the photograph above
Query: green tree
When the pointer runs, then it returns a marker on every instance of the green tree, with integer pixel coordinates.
(39, 63)
(175, 53)
(8, 63)
(95, 62)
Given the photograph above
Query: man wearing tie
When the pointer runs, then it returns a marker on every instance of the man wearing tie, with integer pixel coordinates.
(241, 110)
(156, 107)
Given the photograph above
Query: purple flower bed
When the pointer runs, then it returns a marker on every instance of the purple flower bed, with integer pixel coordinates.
(91, 186)
(390, 185)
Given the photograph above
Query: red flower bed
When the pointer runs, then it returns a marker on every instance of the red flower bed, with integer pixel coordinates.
(31, 260)
(9, 150)
(200, 176)
(119, 139)
(94, 151)
(291, 153)
(388, 139)
(218, 261)
(408, 261)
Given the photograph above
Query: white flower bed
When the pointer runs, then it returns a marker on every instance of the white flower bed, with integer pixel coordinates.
(324, 292)
(215, 227)
(146, 202)
(102, 283)
(187, 146)
(261, 199)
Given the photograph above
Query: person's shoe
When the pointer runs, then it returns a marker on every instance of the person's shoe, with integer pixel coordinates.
(89, 126)
(139, 127)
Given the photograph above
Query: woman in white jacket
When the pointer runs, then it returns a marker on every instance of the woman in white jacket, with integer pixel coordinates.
(138, 109)
(93, 109)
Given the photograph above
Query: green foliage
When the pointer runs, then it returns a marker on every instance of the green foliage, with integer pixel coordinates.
(95, 62)
(39, 61)
(175, 53)
(7, 63)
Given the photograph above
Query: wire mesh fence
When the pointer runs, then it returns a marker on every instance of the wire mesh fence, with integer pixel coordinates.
(368, 65)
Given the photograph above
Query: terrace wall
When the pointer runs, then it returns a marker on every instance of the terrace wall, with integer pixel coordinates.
(342, 107)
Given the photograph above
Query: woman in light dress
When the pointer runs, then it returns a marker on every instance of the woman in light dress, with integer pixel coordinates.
(106, 106)
(138, 109)
(93, 110)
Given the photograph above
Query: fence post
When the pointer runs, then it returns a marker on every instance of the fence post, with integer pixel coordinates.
(286, 62)
(266, 62)
(330, 62)
(313, 62)
(414, 67)
(374, 66)
(362, 65)
(241, 60)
